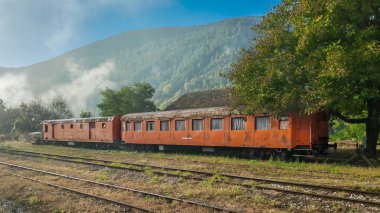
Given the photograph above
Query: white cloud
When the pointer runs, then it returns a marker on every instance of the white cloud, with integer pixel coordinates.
(64, 25)
(14, 89)
(34, 30)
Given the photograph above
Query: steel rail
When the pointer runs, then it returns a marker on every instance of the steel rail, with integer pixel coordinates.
(169, 198)
(129, 206)
(332, 197)
(209, 174)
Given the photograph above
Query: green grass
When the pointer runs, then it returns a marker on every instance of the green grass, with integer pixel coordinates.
(33, 200)
(214, 180)
(121, 165)
(156, 179)
(149, 172)
(78, 160)
(258, 199)
(183, 174)
(104, 175)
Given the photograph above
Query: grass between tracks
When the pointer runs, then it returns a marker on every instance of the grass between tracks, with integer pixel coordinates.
(209, 190)
(201, 162)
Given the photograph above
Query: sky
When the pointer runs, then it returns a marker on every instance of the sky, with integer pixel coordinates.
(32, 31)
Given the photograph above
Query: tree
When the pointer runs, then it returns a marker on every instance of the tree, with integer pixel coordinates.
(312, 56)
(7, 117)
(60, 108)
(133, 98)
(2, 106)
(27, 116)
(84, 114)
(346, 131)
(30, 115)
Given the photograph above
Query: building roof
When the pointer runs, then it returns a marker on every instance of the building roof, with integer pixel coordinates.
(201, 99)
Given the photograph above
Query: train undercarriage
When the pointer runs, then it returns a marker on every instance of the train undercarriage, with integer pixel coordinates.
(261, 153)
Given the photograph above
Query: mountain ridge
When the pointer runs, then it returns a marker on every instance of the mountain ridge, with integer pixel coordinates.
(175, 60)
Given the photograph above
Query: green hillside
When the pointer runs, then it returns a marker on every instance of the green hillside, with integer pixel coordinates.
(174, 60)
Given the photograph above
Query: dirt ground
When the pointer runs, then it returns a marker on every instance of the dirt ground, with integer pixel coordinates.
(19, 195)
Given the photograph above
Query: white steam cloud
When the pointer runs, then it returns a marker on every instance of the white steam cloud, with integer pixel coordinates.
(85, 83)
(14, 89)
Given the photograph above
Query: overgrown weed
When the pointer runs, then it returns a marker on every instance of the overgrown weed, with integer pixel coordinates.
(32, 200)
(104, 175)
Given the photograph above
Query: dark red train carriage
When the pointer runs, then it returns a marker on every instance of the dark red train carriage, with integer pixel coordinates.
(87, 130)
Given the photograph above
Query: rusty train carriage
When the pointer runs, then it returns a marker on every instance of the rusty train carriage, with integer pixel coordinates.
(95, 130)
(218, 127)
(211, 129)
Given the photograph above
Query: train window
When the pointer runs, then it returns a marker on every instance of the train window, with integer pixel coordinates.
(150, 126)
(92, 125)
(284, 122)
(128, 126)
(46, 128)
(104, 125)
(262, 123)
(164, 125)
(71, 126)
(62, 126)
(81, 126)
(216, 123)
(238, 123)
(179, 125)
(137, 125)
(197, 124)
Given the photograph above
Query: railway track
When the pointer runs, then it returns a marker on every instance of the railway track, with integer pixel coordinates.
(371, 198)
(126, 205)
(112, 186)
(307, 173)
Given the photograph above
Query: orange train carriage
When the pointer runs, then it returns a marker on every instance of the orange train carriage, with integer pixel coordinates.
(86, 130)
(215, 128)
(209, 129)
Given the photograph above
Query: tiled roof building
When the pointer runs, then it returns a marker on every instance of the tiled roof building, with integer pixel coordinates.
(201, 99)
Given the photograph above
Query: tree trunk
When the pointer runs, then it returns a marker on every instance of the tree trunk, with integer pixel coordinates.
(372, 126)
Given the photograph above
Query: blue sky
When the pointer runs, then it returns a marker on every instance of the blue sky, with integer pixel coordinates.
(35, 30)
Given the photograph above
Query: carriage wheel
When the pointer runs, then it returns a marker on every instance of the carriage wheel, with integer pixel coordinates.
(287, 155)
(264, 155)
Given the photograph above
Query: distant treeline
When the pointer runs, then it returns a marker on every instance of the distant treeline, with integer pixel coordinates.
(28, 115)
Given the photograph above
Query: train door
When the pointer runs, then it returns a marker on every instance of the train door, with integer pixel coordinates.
(52, 131)
(92, 130)
(303, 133)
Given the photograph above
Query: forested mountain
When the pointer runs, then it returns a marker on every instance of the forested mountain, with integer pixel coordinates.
(174, 60)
